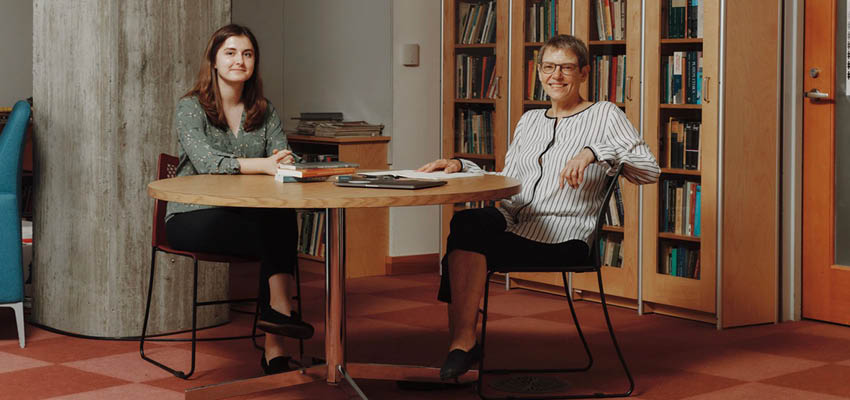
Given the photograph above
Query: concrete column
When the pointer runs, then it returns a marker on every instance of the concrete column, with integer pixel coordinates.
(106, 78)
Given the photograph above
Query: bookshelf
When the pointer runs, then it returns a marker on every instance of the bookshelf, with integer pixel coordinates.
(621, 281)
(525, 40)
(474, 85)
(366, 254)
(734, 281)
(736, 165)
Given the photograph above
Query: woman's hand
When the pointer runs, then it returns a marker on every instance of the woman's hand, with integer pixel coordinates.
(278, 157)
(288, 158)
(573, 172)
(265, 165)
(447, 166)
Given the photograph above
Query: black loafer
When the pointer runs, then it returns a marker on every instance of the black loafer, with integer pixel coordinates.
(276, 365)
(274, 322)
(459, 362)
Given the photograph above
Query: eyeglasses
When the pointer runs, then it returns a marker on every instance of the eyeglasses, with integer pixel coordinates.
(566, 69)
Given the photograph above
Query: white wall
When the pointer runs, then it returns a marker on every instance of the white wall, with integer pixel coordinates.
(337, 58)
(264, 18)
(16, 64)
(416, 119)
(342, 55)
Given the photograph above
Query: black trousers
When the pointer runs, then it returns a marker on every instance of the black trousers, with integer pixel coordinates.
(269, 235)
(482, 230)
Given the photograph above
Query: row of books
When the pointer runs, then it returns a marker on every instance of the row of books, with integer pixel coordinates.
(476, 22)
(610, 19)
(476, 77)
(611, 251)
(474, 131)
(681, 261)
(681, 144)
(542, 21)
(608, 78)
(614, 214)
(533, 88)
(684, 19)
(681, 202)
(311, 228)
(682, 78)
(476, 204)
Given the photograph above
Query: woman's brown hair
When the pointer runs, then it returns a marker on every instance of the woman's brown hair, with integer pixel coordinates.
(206, 87)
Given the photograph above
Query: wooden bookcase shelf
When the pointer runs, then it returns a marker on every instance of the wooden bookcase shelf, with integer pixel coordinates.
(679, 171)
(312, 258)
(365, 254)
(620, 282)
(491, 105)
(522, 51)
(734, 258)
(742, 265)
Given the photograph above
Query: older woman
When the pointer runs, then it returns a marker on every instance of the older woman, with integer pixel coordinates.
(561, 156)
(226, 126)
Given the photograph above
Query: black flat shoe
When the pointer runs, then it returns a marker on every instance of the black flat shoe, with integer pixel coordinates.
(276, 365)
(274, 322)
(458, 362)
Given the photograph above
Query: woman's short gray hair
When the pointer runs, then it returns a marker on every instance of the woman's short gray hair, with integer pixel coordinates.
(566, 42)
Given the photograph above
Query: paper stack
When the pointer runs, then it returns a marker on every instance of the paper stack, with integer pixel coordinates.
(352, 128)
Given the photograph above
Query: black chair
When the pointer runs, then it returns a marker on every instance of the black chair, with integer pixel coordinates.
(595, 263)
(167, 168)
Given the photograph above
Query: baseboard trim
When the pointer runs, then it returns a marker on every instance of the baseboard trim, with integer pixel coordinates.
(415, 264)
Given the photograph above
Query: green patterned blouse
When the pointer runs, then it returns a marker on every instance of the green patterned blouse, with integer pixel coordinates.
(205, 149)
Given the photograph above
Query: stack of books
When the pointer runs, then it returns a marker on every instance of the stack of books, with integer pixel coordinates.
(308, 121)
(352, 128)
(312, 171)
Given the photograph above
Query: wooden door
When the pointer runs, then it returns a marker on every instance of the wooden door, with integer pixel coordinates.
(825, 281)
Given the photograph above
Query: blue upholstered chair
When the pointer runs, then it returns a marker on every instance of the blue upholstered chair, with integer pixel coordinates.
(11, 271)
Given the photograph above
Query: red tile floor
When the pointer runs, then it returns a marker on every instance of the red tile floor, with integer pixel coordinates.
(397, 319)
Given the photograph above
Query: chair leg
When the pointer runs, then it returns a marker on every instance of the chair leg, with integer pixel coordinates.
(179, 374)
(578, 327)
(627, 393)
(148, 311)
(254, 329)
(19, 318)
(614, 340)
(298, 298)
(479, 383)
(194, 319)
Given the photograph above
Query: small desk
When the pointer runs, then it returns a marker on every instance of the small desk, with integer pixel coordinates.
(263, 191)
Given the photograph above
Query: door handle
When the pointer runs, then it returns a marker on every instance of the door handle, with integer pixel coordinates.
(816, 94)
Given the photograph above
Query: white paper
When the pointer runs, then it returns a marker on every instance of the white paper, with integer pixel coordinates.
(435, 176)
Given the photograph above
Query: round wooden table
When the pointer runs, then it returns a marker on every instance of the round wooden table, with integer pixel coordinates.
(264, 192)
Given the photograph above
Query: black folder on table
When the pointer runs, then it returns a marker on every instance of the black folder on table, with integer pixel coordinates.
(386, 182)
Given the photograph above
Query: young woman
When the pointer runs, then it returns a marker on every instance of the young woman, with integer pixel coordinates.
(561, 155)
(226, 126)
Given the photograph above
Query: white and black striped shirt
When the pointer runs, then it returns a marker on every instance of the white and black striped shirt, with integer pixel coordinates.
(541, 147)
